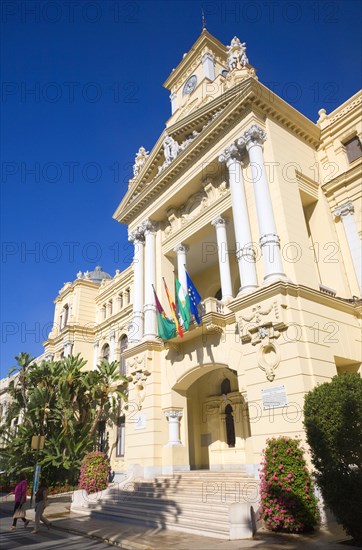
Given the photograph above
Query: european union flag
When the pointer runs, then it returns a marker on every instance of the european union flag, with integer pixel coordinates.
(195, 298)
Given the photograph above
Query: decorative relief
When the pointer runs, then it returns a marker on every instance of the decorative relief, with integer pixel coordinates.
(195, 205)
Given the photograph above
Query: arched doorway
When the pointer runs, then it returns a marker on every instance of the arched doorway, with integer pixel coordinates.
(218, 421)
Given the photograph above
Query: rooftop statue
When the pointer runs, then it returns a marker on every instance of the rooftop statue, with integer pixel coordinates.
(236, 54)
(140, 159)
(171, 148)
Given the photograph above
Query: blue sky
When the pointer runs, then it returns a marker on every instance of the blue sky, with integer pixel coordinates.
(82, 90)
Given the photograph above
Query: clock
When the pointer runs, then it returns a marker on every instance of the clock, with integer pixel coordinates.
(190, 85)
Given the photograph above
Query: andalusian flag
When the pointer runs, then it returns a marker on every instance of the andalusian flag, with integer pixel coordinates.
(183, 302)
(173, 310)
(166, 328)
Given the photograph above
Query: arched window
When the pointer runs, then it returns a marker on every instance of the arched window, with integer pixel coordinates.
(105, 352)
(120, 301)
(104, 312)
(123, 345)
(218, 295)
(128, 296)
(110, 307)
(225, 386)
(230, 427)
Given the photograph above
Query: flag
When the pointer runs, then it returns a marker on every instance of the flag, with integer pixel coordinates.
(183, 302)
(166, 328)
(195, 298)
(173, 310)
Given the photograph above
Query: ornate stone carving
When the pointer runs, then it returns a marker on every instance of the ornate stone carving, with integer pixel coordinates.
(170, 148)
(140, 159)
(260, 317)
(236, 54)
(344, 209)
(219, 221)
(211, 327)
(254, 135)
(149, 226)
(137, 236)
(230, 154)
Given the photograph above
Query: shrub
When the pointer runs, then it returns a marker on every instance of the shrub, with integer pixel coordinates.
(288, 502)
(333, 422)
(94, 472)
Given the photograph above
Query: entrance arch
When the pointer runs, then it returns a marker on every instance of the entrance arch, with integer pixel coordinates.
(217, 418)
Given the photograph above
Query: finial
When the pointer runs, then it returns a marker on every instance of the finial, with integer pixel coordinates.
(203, 20)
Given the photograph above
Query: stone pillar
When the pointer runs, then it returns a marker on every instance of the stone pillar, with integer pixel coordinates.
(95, 354)
(345, 212)
(173, 98)
(112, 346)
(173, 416)
(136, 330)
(244, 248)
(181, 251)
(224, 265)
(150, 331)
(253, 140)
(208, 65)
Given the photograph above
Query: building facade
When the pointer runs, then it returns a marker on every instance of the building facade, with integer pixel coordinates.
(262, 207)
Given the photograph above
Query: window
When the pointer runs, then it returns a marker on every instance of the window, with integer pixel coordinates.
(225, 386)
(104, 312)
(120, 300)
(353, 149)
(128, 294)
(105, 352)
(230, 427)
(120, 435)
(123, 346)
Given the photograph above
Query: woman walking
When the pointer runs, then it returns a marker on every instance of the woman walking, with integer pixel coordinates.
(41, 501)
(20, 499)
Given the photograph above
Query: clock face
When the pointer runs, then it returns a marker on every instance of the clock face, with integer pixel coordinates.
(190, 85)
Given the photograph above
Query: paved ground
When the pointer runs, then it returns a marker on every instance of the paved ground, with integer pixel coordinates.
(68, 528)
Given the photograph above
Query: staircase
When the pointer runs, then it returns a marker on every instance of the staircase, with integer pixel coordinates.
(195, 502)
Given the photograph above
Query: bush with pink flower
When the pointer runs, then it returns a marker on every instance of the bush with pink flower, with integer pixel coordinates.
(94, 472)
(288, 502)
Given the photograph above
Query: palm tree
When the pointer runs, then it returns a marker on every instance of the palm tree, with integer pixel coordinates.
(24, 361)
(107, 383)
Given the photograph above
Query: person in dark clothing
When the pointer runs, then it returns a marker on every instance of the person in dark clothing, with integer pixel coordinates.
(41, 501)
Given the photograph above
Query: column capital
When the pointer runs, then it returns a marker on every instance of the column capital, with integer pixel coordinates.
(173, 413)
(148, 227)
(137, 236)
(254, 136)
(344, 209)
(181, 248)
(219, 222)
(230, 154)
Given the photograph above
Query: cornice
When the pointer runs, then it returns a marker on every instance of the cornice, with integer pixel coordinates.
(353, 175)
(280, 288)
(141, 347)
(250, 93)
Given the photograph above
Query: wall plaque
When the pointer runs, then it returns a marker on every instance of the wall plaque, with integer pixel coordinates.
(274, 398)
(140, 421)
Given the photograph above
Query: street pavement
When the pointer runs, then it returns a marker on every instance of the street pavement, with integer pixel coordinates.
(94, 531)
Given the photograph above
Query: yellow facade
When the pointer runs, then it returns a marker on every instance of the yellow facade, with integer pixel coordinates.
(280, 310)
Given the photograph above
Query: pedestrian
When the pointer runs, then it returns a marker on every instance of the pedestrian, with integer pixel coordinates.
(20, 500)
(41, 501)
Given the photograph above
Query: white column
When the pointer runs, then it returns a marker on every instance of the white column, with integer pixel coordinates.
(346, 213)
(224, 265)
(136, 329)
(150, 279)
(173, 416)
(208, 65)
(173, 98)
(253, 140)
(95, 354)
(112, 345)
(244, 248)
(181, 251)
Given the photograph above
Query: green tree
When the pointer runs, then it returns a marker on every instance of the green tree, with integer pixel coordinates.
(333, 422)
(63, 402)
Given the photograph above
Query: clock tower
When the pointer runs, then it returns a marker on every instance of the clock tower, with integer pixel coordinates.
(204, 73)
